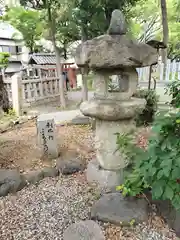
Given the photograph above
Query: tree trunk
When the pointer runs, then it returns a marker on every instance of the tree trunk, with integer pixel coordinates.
(65, 52)
(165, 29)
(108, 11)
(4, 99)
(84, 72)
(84, 85)
(58, 59)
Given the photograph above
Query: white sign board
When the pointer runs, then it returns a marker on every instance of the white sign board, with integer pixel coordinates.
(47, 137)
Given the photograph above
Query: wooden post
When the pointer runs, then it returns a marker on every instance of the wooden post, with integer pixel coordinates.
(41, 90)
(17, 93)
(84, 84)
(47, 137)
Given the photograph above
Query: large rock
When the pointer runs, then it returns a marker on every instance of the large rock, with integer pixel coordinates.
(33, 177)
(5, 126)
(115, 209)
(110, 52)
(84, 230)
(50, 172)
(112, 110)
(10, 181)
(70, 166)
(104, 178)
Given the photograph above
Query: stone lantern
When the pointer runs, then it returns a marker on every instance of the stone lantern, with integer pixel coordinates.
(113, 54)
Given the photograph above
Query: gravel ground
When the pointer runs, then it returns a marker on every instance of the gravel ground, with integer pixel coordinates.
(42, 212)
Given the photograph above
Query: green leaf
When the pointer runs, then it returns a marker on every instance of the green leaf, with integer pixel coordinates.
(163, 146)
(170, 144)
(178, 160)
(158, 188)
(175, 173)
(168, 193)
(152, 171)
(156, 129)
(160, 174)
(176, 202)
(119, 188)
(166, 161)
(146, 166)
(167, 171)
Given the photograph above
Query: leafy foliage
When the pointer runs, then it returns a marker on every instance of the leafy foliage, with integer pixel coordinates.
(159, 166)
(66, 29)
(93, 16)
(174, 29)
(89, 18)
(4, 59)
(145, 23)
(26, 21)
(147, 115)
(173, 90)
(127, 146)
(77, 20)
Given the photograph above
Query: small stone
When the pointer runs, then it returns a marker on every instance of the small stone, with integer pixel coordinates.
(10, 181)
(32, 117)
(15, 122)
(116, 209)
(69, 166)
(80, 121)
(4, 189)
(34, 177)
(50, 172)
(5, 126)
(23, 119)
(84, 230)
(117, 25)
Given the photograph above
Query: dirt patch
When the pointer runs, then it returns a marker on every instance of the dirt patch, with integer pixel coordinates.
(19, 148)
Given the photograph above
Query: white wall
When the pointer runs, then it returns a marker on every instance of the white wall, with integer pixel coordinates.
(20, 57)
(12, 2)
(25, 55)
(8, 42)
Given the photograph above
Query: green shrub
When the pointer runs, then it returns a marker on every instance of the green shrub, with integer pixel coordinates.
(173, 90)
(158, 168)
(147, 115)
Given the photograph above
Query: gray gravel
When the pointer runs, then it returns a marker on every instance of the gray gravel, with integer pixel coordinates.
(44, 211)
(149, 233)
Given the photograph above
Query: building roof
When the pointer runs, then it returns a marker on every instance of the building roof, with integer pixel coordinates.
(9, 32)
(42, 59)
(13, 67)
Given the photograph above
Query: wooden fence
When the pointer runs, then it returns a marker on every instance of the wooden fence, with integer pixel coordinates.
(37, 85)
(41, 84)
(162, 76)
